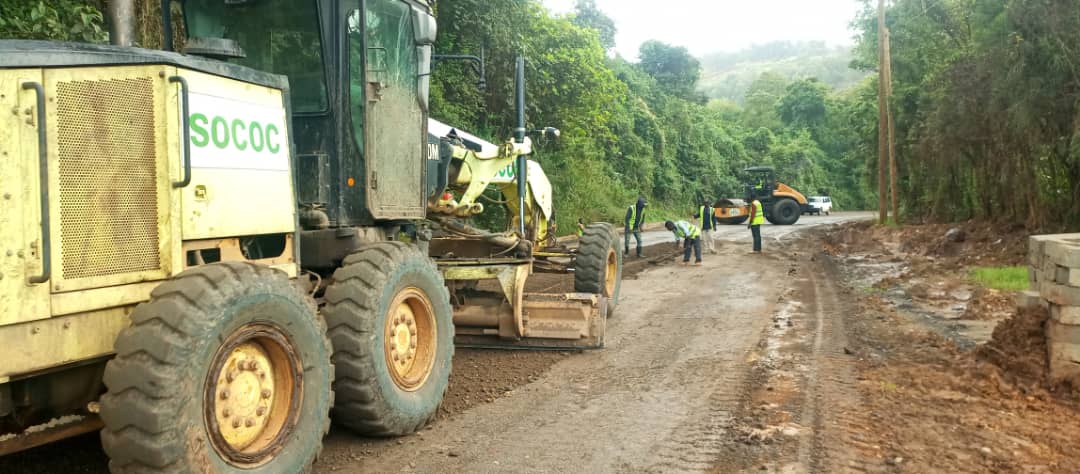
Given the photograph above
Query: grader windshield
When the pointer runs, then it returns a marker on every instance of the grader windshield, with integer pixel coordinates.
(278, 36)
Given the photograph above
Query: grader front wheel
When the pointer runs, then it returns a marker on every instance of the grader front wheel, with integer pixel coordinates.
(225, 369)
(598, 267)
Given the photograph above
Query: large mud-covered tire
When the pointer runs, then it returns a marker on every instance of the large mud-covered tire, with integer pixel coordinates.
(370, 303)
(165, 409)
(785, 212)
(598, 267)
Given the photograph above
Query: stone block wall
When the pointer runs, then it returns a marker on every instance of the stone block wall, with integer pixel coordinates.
(1054, 274)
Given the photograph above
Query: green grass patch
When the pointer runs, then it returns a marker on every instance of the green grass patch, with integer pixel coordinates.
(1001, 278)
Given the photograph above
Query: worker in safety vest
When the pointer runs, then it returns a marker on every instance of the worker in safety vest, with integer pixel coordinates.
(707, 221)
(580, 227)
(757, 217)
(690, 235)
(635, 219)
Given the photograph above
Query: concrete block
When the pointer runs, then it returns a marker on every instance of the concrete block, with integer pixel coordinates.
(1060, 294)
(1063, 350)
(1064, 252)
(1068, 315)
(1029, 299)
(1062, 367)
(1067, 276)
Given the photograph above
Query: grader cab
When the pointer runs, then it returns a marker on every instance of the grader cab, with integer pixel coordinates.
(203, 249)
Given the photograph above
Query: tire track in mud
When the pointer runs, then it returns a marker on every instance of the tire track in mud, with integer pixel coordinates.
(698, 443)
(833, 405)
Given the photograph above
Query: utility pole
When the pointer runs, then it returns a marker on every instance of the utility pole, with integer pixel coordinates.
(883, 119)
(892, 125)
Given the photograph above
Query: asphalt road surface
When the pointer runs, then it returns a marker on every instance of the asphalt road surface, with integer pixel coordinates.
(769, 232)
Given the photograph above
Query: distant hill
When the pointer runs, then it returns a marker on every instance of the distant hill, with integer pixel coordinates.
(728, 75)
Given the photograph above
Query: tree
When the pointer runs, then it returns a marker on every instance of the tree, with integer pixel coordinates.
(803, 104)
(587, 15)
(673, 68)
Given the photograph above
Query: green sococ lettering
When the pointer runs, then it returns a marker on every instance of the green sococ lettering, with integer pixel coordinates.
(199, 136)
(238, 133)
(257, 134)
(237, 136)
(270, 144)
(222, 140)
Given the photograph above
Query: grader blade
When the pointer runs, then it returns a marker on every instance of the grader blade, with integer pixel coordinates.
(571, 321)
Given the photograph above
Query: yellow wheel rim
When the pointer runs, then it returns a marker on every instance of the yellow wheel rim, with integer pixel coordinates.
(253, 394)
(410, 339)
(611, 273)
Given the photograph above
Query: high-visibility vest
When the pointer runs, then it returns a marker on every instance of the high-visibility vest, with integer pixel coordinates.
(634, 217)
(706, 218)
(686, 230)
(759, 213)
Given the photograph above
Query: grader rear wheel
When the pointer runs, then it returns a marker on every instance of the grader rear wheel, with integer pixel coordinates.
(225, 369)
(392, 329)
(598, 267)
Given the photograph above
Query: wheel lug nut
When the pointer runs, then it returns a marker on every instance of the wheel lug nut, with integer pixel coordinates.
(262, 375)
(412, 345)
(236, 423)
(230, 376)
(225, 394)
(260, 411)
(266, 393)
(249, 422)
(226, 412)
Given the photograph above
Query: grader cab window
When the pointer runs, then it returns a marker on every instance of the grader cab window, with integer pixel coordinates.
(278, 36)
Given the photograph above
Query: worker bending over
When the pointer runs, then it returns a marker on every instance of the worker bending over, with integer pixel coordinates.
(690, 235)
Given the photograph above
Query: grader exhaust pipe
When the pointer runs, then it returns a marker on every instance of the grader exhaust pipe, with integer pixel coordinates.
(121, 22)
(121, 14)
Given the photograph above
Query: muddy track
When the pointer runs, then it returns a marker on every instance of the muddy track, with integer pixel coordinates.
(801, 409)
(659, 398)
(833, 407)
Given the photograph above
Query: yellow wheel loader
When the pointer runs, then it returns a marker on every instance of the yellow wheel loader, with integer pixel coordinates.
(208, 254)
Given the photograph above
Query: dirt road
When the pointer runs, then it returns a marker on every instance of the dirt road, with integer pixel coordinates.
(682, 358)
(693, 355)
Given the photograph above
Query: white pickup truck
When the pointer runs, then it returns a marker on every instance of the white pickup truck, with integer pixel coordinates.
(819, 205)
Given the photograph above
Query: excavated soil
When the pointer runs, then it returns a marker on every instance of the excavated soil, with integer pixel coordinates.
(937, 399)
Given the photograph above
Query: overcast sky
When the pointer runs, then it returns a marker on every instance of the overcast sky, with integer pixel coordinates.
(706, 26)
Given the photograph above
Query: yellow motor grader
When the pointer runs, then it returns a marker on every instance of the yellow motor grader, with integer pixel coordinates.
(210, 253)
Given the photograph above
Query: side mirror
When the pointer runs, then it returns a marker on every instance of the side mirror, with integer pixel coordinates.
(549, 133)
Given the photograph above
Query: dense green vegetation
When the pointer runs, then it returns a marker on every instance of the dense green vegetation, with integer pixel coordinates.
(645, 127)
(71, 20)
(987, 96)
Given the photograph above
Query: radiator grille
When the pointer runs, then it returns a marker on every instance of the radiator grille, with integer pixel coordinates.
(107, 132)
